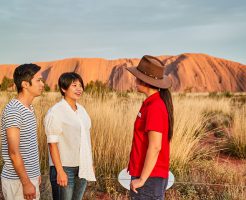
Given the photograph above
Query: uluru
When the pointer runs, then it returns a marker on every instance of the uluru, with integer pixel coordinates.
(191, 72)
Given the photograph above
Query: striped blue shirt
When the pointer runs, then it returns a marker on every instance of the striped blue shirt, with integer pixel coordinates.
(15, 114)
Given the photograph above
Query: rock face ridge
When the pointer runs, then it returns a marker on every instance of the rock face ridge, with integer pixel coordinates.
(189, 72)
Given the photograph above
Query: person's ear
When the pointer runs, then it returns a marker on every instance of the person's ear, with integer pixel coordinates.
(25, 84)
(63, 90)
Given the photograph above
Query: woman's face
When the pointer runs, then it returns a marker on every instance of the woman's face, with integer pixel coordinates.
(74, 91)
(140, 86)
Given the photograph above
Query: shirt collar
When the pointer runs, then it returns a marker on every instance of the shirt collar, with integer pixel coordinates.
(152, 98)
(65, 103)
(31, 109)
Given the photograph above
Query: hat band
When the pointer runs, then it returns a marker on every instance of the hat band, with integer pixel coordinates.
(150, 75)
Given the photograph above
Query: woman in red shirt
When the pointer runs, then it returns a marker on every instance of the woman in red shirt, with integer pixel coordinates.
(153, 130)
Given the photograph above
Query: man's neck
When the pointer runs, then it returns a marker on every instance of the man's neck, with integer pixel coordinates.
(25, 99)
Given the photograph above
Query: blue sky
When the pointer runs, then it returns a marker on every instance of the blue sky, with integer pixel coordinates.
(54, 29)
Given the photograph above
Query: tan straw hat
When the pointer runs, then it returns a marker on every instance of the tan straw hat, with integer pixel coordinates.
(151, 70)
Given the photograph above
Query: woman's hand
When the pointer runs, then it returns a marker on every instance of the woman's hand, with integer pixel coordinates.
(61, 174)
(62, 178)
(136, 183)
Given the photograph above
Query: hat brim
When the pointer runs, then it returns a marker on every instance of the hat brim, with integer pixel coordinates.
(163, 83)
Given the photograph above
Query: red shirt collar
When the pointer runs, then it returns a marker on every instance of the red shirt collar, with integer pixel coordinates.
(152, 97)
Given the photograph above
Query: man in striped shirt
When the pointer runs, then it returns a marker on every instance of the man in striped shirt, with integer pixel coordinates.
(21, 171)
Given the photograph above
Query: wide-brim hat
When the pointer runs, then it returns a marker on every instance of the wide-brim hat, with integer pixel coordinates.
(151, 70)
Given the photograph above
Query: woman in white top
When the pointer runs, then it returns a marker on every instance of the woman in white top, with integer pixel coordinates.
(67, 126)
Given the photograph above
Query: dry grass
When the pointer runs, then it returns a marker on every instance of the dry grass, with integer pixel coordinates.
(112, 125)
(235, 143)
(239, 132)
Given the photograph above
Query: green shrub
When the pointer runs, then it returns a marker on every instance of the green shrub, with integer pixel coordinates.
(213, 94)
(226, 94)
(46, 87)
(97, 87)
(6, 83)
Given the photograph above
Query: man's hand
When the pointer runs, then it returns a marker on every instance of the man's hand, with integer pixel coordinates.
(62, 178)
(29, 191)
(136, 183)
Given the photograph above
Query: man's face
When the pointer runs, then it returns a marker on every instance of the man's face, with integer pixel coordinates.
(37, 86)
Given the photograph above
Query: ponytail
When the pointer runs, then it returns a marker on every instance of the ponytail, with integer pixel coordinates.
(166, 96)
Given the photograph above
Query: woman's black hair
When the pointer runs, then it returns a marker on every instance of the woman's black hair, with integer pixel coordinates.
(166, 97)
(66, 79)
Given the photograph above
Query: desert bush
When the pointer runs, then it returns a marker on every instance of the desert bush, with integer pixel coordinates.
(226, 94)
(7, 83)
(213, 94)
(46, 87)
(97, 87)
(236, 141)
(218, 122)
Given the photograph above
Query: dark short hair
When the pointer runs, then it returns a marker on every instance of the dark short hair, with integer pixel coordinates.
(66, 79)
(25, 72)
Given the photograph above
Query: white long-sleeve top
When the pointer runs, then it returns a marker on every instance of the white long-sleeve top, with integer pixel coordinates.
(71, 131)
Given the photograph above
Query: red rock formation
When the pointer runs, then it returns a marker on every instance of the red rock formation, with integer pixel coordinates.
(199, 72)
(189, 72)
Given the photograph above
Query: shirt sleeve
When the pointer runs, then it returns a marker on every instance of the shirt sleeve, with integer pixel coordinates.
(13, 118)
(53, 127)
(155, 119)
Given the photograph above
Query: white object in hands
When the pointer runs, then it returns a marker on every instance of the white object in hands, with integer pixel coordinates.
(124, 179)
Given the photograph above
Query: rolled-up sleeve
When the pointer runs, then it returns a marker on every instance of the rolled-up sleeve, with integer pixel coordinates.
(53, 128)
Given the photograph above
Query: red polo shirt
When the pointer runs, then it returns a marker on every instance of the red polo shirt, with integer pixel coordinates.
(153, 116)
